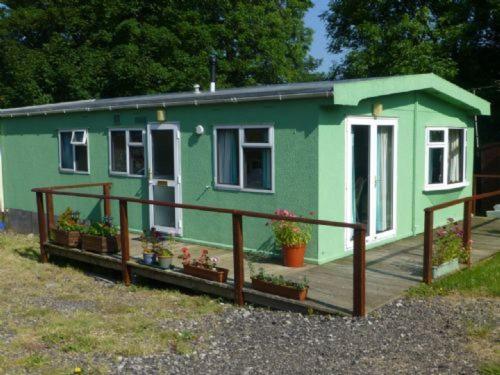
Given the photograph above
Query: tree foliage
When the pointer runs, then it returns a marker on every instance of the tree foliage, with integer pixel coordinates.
(456, 39)
(57, 50)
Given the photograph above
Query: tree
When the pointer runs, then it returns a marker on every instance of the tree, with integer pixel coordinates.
(457, 39)
(55, 50)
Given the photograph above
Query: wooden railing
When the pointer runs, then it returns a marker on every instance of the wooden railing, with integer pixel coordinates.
(359, 261)
(467, 228)
(475, 183)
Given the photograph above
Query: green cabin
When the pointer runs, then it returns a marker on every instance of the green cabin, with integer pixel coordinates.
(376, 151)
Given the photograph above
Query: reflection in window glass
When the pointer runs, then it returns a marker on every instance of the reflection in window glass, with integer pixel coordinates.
(81, 164)
(136, 155)
(66, 151)
(436, 165)
(436, 136)
(227, 157)
(257, 168)
(118, 151)
(256, 135)
(135, 136)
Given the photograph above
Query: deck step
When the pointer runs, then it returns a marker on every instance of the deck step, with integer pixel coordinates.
(495, 213)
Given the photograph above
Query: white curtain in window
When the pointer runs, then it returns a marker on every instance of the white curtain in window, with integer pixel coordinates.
(227, 156)
(454, 156)
(384, 179)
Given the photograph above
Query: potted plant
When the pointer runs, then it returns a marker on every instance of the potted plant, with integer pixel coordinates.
(151, 242)
(204, 266)
(68, 229)
(448, 250)
(165, 257)
(101, 237)
(292, 237)
(278, 285)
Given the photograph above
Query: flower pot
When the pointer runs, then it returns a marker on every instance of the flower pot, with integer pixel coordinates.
(99, 244)
(219, 274)
(148, 258)
(445, 268)
(165, 262)
(279, 290)
(67, 238)
(293, 256)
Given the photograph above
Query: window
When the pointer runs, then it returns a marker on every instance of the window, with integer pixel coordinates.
(244, 157)
(73, 151)
(127, 152)
(445, 158)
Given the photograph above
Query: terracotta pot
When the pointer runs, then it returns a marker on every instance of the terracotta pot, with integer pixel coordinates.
(293, 256)
(98, 244)
(219, 274)
(67, 238)
(279, 290)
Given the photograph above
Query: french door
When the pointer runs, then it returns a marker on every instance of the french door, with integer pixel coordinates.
(371, 176)
(164, 176)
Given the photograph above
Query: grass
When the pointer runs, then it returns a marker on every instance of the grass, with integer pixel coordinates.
(482, 280)
(54, 318)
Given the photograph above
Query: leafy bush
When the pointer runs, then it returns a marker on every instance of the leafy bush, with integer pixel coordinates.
(69, 220)
(289, 233)
(104, 229)
(449, 244)
(277, 279)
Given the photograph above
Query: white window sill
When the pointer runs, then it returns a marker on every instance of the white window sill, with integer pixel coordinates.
(71, 171)
(442, 187)
(238, 188)
(118, 174)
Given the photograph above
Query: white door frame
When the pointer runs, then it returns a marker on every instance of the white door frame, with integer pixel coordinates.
(373, 123)
(176, 183)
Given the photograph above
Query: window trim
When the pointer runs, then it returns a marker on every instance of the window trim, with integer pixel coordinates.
(86, 144)
(241, 146)
(445, 185)
(128, 144)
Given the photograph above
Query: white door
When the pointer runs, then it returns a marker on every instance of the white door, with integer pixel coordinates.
(371, 176)
(164, 176)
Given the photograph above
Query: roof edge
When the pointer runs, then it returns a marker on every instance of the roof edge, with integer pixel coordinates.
(351, 92)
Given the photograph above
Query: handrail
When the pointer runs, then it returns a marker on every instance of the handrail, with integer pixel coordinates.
(467, 228)
(79, 186)
(359, 261)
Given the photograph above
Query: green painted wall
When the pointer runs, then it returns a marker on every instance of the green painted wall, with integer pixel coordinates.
(414, 112)
(309, 164)
(30, 148)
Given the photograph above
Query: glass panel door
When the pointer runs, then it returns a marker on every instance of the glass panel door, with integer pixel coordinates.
(370, 176)
(163, 172)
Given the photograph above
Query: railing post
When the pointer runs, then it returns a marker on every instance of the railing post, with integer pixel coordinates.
(42, 227)
(124, 242)
(467, 230)
(359, 276)
(428, 243)
(239, 276)
(107, 203)
(50, 211)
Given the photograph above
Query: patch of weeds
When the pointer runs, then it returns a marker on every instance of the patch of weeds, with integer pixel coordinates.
(491, 368)
(479, 331)
(33, 361)
(479, 281)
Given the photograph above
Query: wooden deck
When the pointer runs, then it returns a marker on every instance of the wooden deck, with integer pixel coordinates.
(390, 270)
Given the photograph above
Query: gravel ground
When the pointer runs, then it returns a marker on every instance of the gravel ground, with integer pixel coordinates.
(409, 336)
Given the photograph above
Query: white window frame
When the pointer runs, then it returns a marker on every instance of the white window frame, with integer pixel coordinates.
(242, 146)
(85, 142)
(445, 146)
(128, 144)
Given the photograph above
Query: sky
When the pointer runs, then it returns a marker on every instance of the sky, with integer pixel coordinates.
(319, 44)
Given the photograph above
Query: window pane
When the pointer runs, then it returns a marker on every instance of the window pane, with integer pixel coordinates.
(257, 168)
(136, 161)
(257, 135)
(135, 136)
(384, 182)
(81, 159)
(436, 136)
(228, 157)
(78, 136)
(163, 153)
(455, 156)
(436, 165)
(118, 152)
(66, 151)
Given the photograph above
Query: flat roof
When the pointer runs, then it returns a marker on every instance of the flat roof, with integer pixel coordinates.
(348, 92)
